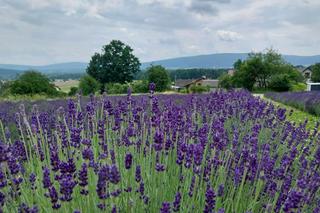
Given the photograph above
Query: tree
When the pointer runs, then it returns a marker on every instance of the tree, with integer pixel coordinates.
(280, 83)
(116, 64)
(226, 81)
(73, 91)
(88, 85)
(259, 69)
(315, 76)
(158, 75)
(33, 82)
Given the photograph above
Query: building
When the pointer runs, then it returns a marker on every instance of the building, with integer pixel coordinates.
(187, 83)
(313, 86)
(305, 71)
(231, 72)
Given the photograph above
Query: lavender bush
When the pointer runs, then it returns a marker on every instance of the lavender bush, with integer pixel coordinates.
(306, 101)
(218, 152)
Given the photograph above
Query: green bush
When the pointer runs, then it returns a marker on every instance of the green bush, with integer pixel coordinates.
(117, 88)
(280, 83)
(88, 85)
(139, 86)
(199, 89)
(160, 76)
(5, 88)
(73, 91)
(33, 82)
(226, 82)
(298, 87)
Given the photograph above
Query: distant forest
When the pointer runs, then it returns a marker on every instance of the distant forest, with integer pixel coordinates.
(196, 73)
(66, 76)
(189, 73)
(7, 74)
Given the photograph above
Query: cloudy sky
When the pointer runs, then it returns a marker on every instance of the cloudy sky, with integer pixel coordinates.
(52, 31)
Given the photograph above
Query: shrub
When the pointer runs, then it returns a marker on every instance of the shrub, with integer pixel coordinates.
(5, 88)
(117, 88)
(73, 91)
(199, 89)
(298, 87)
(88, 85)
(139, 87)
(33, 82)
(159, 76)
(280, 83)
(226, 82)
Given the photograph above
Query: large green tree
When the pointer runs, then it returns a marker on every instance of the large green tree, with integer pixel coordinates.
(315, 76)
(115, 64)
(160, 76)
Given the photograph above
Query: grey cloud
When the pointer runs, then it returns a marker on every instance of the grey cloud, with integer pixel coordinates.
(50, 31)
(214, 1)
(203, 8)
(168, 41)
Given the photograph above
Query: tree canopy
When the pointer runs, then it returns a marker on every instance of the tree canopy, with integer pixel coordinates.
(315, 76)
(88, 85)
(115, 64)
(160, 76)
(33, 82)
(259, 71)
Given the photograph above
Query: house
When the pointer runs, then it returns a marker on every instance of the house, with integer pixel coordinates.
(305, 71)
(313, 86)
(231, 72)
(187, 83)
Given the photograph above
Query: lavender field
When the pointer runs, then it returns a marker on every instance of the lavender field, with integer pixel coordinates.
(218, 152)
(305, 101)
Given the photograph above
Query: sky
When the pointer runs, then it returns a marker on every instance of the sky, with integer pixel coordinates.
(39, 32)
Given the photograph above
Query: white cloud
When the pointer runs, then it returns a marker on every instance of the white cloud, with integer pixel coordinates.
(50, 31)
(225, 35)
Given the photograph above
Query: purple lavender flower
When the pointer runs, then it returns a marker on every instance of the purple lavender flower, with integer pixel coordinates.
(46, 178)
(83, 179)
(176, 202)
(210, 200)
(2, 199)
(87, 154)
(128, 160)
(152, 87)
(220, 190)
(32, 180)
(293, 201)
(67, 183)
(114, 174)
(192, 184)
(102, 180)
(114, 209)
(158, 141)
(138, 173)
(3, 180)
(165, 207)
(54, 197)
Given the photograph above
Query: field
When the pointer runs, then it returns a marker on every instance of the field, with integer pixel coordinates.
(217, 152)
(306, 101)
(65, 86)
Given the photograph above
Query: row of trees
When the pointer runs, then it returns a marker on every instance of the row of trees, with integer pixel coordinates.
(315, 77)
(113, 70)
(263, 71)
(196, 73)
(155, 74)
